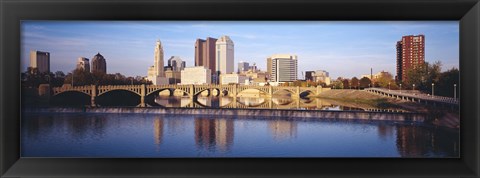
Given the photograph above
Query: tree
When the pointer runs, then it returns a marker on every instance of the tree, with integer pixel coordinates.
(59, 74)
(346, 84)
(383, 80)
(338, 84)
(447, 80)
(423, 76)
(354, 82)
(365, 82)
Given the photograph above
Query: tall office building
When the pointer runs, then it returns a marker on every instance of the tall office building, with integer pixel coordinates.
(243, 67)
(176, 63)
(83, 64)
(410, 55)
(99, 64)
(224, 55)
(156, 73)
(282, 67)
(205, 53)
(40, 60)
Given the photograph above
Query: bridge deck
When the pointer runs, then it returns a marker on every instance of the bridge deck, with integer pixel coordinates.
(414, 96)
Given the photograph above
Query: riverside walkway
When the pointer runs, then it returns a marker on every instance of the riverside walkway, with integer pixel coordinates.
(414, 97)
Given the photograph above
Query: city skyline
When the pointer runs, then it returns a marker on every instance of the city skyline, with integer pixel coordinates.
(346, 49)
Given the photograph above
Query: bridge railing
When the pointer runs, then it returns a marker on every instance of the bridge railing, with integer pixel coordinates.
(418, 96)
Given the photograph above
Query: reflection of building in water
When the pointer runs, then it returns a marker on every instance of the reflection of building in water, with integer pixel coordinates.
(173, 101)
(205, 101)
(158, 130)
(385, 131)
(282, 101)
(413, 141)
(282, 130)
(214, 133)
(175, 125)
(252, 102)
(225, 101)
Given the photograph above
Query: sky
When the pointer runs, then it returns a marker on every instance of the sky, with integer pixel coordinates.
(342, 48)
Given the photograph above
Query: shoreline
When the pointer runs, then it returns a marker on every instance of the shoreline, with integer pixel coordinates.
(311, 114)
(437, 117)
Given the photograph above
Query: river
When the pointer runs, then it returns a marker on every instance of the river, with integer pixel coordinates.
(158, 136)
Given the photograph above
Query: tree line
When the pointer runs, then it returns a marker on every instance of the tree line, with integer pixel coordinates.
(32, 78)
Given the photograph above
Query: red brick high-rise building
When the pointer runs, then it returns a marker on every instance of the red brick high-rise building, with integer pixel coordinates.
(205, 53)
(410, 55)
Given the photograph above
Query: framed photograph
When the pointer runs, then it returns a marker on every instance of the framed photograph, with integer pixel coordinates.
(227, 88)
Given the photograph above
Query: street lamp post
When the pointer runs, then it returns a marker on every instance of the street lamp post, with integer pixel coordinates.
(455, 91)
(400, 88)
(433, 89)
(388, 86)
(413, 86)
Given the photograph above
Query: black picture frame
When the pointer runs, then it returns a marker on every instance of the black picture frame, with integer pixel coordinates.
(13, 11)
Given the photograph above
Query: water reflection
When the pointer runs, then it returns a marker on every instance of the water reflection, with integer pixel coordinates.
(282, 130)
(263, 103)
(131, 135)
(214, 134)
(414, 142)
(158, 130)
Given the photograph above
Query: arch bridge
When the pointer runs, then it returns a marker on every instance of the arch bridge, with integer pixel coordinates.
(191, 90)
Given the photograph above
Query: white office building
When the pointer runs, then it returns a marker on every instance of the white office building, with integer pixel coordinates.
(224, 48)
(282, 67)
(322, 76)
(196, 75)
(226, 79)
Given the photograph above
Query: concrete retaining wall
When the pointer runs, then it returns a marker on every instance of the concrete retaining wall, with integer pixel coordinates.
(349, 115)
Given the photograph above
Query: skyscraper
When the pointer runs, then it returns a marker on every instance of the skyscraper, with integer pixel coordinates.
(243, 66)
(83, 64)
(99, 64)
(205, 53)
(282, 67)
(224, 55)
(40, 61)
(410, 55)
(176, 63)
(156, 73)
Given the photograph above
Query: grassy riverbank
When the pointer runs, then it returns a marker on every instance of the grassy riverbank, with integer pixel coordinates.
(362, 99)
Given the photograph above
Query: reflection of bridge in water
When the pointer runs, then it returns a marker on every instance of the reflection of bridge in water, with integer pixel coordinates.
(193, 91)
(262, 103)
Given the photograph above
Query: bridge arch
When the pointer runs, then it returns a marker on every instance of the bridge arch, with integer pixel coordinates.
(172, 90)
(71, 98)
(118, 97)
(250, 92)
(118, 89)
(71, 91)
(306, 93)
(290, 91)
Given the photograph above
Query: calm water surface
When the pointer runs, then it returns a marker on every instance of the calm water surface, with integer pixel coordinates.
(150, 135)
